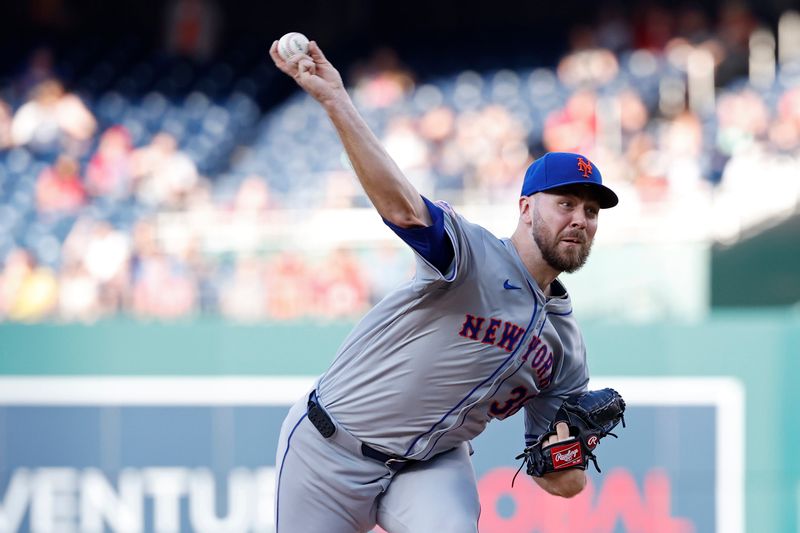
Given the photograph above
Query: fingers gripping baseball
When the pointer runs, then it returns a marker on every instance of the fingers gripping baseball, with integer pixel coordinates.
(305, 68)
(312, 71)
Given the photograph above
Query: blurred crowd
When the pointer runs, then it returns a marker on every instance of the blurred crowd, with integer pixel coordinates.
(101, 217)
(104, 272)
(666, 103)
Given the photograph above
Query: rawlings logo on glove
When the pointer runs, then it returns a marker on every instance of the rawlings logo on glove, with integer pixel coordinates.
(590, 417)
(565, 456)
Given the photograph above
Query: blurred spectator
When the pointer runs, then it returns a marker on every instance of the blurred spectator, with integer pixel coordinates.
(405, 145)
(109, 173)
(192, 28)
(144, 242)
(588, 67)
(634, 115)
(784, 132)
(52, 120)
(692, 24)
(253, 196)
(73, 250)
(203, 270)
(437, 127)
(573, 128)
(289, 291)
(683, 145)
(382, 81)
(79, 294)
(653, 27)
(742, 117)
(59, 188)
(250, 212)
(437, 124)
(39, 68)
(341, 190)
(5, 125)
(499, 168)
(243, 296)
(164, 176)
(163, 288)
(789, 105)
(648, 167)
(95, 249)
(735, 26)
(490, 144)
(16, 266)
(684, 137)
(106, 259)
(613, 30)
(340, 287)
(28, 292)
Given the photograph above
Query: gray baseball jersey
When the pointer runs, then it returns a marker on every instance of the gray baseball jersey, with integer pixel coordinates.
(419, 376)
(440, 357)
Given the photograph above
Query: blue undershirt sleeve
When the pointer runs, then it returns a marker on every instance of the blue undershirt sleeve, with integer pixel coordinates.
(431, 242)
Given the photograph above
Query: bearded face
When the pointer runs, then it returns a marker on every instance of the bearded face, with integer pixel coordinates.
(566, 251)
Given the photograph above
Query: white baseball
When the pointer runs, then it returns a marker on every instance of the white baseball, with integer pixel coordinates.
(292, 43)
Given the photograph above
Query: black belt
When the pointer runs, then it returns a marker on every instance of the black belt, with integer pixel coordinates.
(322, 421)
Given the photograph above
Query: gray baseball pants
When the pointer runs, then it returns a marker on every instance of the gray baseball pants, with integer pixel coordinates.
(329, 486)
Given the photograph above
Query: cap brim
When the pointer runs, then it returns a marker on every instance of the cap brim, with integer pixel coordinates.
(605, 196)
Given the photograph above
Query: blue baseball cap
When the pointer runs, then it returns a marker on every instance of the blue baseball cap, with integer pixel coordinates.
(556, 169)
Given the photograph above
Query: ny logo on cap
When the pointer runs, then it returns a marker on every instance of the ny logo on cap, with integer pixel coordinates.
(585, 167)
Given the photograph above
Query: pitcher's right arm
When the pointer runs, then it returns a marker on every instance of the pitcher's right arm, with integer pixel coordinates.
(393, 196)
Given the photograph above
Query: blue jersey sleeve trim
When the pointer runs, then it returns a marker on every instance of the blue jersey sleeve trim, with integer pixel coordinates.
(431, 242)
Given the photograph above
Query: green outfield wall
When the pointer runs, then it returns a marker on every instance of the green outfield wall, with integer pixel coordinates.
(759, 348)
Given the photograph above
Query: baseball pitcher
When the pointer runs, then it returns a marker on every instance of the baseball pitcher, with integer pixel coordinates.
(483, 330)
